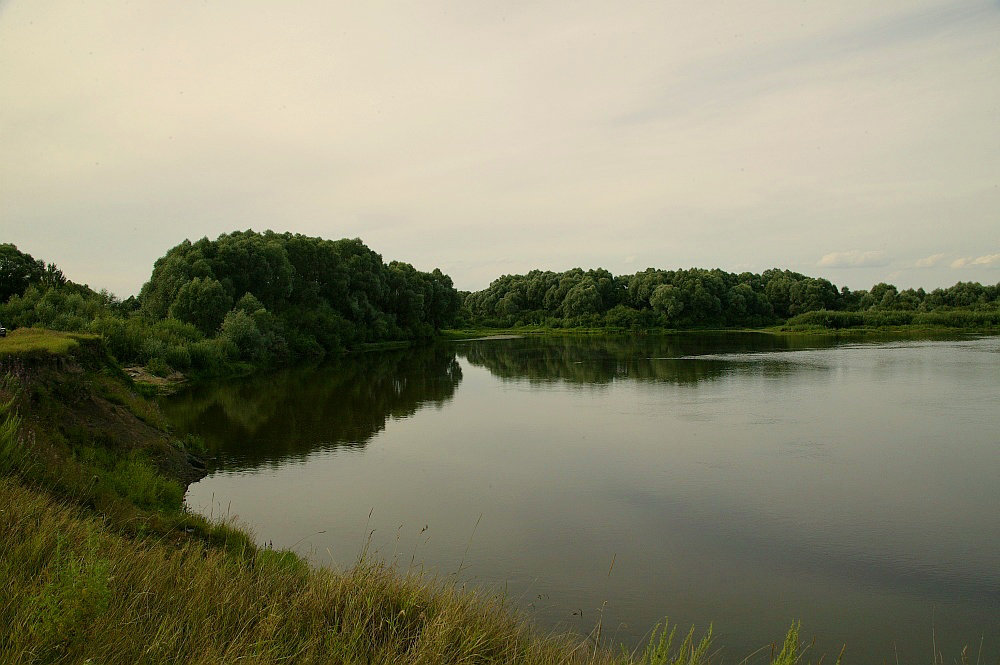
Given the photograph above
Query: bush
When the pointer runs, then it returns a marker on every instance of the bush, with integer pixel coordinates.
(241, 331)
(208, 355)
(158, 366)
(875, 318)
(178, 356)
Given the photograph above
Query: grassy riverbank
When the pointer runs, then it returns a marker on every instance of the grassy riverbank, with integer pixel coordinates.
(805, 326)
(75, 590)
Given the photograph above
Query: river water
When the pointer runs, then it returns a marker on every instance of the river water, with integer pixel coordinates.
(742, 480)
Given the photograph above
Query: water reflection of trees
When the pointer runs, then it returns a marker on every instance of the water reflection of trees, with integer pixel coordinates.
(683, 358)
(287, 414)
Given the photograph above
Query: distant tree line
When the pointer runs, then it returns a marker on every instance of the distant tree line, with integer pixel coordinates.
(265, 298)
(244, 297)
(700, 298)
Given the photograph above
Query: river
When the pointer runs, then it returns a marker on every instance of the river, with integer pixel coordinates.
(739, 480)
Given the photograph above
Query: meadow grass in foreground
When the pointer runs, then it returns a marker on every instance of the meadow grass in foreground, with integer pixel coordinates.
(74, 591)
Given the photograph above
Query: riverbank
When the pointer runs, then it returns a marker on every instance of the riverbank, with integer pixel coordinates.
(786, 329)
(103, 564)
(76, 591)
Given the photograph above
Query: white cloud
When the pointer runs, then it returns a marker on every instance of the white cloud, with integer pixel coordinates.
(854, 259)
(986, 260)
(929, 261)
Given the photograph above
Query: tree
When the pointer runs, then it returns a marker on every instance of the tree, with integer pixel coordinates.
(315, 293)
(667, 300)
(582, 299)
(202, 303)
(241, 331)
(881, 296)
(19, 270)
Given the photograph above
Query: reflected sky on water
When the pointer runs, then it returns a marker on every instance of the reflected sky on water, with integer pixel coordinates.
(742, 480)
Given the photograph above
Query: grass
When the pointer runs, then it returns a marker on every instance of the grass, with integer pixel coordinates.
(83, 436)
(134, 398)
(73, 590)
(661, 650)
(37, 341)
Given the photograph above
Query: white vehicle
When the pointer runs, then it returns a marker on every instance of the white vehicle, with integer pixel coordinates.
(3, 331)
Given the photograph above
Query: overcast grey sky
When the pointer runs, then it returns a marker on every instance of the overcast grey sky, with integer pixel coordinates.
(855, 140)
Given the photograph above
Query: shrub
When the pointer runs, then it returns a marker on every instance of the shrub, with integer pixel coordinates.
(158, 366)
(207, 355)
(178, 356)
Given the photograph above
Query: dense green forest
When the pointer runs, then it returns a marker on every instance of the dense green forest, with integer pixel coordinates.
(259, 298)
(267, 298)
(699, 298)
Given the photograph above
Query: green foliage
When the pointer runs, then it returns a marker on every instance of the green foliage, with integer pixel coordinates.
(660, 649)
(202, 303)
(19, 270)
(791, 651)
(300, 297)
(249, 304)
(192, 443)
(240, 330)
(295, 297)
(667, 300)
(209, 355)
(12, 451)
(156, 364)
(699, 298)
(283, 561)
(305, 294)
(875, 318)
(136, 481)
(75, 592)
(129, 477)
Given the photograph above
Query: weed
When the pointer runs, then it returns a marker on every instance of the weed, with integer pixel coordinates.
(660, 651)
(76, 592)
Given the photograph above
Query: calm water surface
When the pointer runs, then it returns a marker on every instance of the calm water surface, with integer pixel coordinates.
(738, 480)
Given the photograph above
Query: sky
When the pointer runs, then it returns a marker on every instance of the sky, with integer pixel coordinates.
(857, 141)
